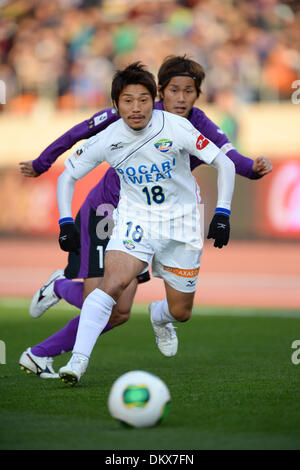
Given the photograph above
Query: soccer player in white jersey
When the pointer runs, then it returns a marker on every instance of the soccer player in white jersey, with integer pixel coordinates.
(150, 152)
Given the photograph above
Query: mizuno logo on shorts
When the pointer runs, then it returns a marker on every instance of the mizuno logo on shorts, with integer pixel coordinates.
(182, 272)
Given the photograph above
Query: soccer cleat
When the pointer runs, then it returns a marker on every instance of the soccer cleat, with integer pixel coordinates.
(45, 297)
(165, 334)
(74, 370)
(40, 366)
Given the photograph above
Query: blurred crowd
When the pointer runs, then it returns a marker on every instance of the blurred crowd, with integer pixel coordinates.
(66, 51)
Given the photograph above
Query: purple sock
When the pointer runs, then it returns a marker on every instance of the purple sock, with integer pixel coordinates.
(70, 291)
(62, 341)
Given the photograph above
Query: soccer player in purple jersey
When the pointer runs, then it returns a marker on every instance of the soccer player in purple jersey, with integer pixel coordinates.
(180, 82)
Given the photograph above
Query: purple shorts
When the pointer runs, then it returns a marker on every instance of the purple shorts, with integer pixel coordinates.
(90, 261)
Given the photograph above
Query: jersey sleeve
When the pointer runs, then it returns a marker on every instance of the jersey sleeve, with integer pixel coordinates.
(89, 155)
(195, 143)
(203, 124)
(243, 165)
(83, 130)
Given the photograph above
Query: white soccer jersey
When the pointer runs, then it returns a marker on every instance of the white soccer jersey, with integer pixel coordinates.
(153, 164)
(157, 186)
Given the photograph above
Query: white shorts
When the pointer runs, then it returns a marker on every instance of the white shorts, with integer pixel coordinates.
(175, 262)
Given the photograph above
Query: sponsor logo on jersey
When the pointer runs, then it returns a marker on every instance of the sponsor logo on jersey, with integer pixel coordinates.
(116, 146)
(163, 145)
(128, 244)
(182, 272)
(98, 119)
(77, 153)
(202, 142)
(148, 173)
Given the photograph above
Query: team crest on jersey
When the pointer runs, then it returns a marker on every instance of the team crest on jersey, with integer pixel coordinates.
(163, 145)
(128, 244)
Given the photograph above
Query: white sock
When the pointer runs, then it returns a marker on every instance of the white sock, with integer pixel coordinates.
(161, 313)
(95, 314)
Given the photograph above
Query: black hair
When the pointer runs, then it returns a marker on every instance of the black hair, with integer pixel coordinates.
(134, 74)
(174, 66)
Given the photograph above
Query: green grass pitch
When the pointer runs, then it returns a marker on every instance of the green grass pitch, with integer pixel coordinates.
(233, 384)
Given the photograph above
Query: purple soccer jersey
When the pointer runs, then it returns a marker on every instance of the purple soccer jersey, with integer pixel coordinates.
(106, 191)
(84, 130)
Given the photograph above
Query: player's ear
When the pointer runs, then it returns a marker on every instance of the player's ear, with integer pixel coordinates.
(115, 106)
(160, 92)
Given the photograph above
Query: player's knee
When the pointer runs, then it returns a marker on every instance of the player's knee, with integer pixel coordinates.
(181, 313)
(185, 316)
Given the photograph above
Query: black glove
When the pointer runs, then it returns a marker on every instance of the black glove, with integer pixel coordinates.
(69, 237)
(219, 229)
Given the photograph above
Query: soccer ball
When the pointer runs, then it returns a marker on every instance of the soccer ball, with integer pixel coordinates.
(139, 399)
